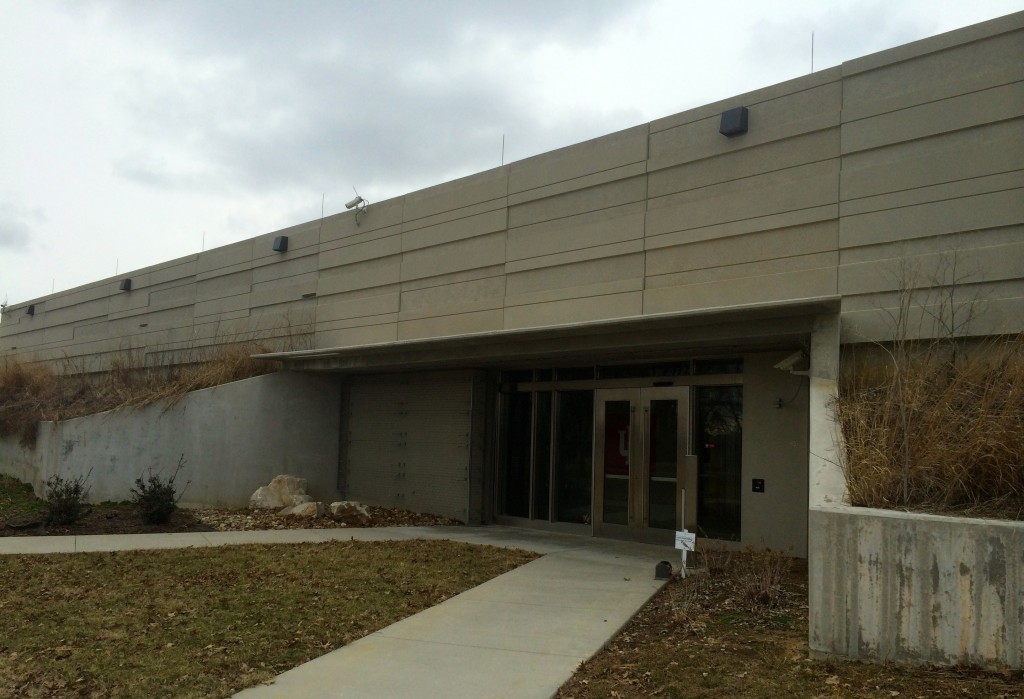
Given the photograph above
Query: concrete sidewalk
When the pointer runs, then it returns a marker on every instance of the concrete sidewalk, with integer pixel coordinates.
(521, 634)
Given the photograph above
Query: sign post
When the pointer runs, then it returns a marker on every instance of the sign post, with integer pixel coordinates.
(685, 541)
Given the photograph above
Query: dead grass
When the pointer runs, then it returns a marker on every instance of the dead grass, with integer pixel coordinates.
(17, 498)
(702, 637)
(208, 623)
(31, 393)
(937, 428)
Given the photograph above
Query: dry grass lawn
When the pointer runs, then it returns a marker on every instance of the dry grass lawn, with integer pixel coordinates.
(210, 622)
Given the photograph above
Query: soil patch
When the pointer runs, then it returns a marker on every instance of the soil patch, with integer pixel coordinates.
(726, 634)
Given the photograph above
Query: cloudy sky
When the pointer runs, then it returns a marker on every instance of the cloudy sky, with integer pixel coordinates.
(134, 132)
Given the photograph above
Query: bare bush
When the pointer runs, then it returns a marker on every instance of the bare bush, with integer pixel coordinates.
(764, 576)
(65, 499)
(156, 499)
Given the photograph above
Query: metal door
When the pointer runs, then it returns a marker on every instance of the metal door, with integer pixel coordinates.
(640, 466)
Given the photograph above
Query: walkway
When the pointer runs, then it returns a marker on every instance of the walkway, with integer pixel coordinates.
(519, 635)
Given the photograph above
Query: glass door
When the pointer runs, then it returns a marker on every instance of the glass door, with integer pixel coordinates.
(641, 449)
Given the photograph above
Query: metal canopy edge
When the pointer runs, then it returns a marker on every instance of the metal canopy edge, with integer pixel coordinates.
(619, 333)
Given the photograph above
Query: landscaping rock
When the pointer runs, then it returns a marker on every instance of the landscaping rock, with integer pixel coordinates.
(306, 509)
(350, 513)
(30, 521)
(283, 491)
(265, 499)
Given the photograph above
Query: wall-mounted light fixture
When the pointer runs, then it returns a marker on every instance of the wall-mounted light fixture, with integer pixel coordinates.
(281, 243)
(125, 285)
(733, 122)
(31, 310)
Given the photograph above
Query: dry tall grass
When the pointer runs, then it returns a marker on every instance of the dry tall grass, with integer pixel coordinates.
(937, 428)
(31, 393)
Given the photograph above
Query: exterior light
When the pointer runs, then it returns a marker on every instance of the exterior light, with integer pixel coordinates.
(734, 122)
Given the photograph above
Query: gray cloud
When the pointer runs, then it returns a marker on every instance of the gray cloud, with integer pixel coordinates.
(310, 94)
(839, 35)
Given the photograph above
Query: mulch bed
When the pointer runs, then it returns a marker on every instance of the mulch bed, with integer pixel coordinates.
(110, 518)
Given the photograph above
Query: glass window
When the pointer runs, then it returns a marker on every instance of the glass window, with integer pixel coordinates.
(640, 371)
(574, 442)
(518, 419)
(663, 463)
(542, 455)
(705, 367)
(509, 379)
(617, 442)
(719, 435)
(579, 373)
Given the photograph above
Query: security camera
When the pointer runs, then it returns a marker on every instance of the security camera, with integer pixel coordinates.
(354, 203)
(791, 361)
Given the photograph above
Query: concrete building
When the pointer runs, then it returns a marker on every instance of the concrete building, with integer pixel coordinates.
(577, 339)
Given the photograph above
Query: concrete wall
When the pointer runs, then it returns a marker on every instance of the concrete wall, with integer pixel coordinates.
(913, 154)
(407, 442)
(931, 186)
(234, 438)
(895, 586)
(775, 449)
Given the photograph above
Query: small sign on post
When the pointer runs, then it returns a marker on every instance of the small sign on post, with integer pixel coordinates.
(685, 541)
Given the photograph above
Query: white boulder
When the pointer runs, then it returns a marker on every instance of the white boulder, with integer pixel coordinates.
(283, 491)
(306, 509)
(350, 512)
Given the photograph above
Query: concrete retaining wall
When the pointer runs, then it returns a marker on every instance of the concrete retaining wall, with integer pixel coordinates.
(897, 586)
(234, 438)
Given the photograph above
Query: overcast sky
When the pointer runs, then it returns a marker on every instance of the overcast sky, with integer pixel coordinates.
(136, 132)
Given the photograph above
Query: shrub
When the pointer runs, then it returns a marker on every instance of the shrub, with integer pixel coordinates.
(155, 497)
(764, 576)
(65, 499)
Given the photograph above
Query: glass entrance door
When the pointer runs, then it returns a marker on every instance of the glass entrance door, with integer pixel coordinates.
(641, 450)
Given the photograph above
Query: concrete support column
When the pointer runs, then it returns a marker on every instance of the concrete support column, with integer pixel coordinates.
(827, 485)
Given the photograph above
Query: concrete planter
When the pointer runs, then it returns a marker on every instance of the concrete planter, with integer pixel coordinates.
(904, 587)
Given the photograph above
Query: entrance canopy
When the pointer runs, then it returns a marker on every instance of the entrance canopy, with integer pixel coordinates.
(727, 329)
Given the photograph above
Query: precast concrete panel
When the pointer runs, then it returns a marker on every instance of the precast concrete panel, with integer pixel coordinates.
(567, 164)
(451, 299)
(406, 441)
(451, 324)
(461, 193)
(581, 232)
